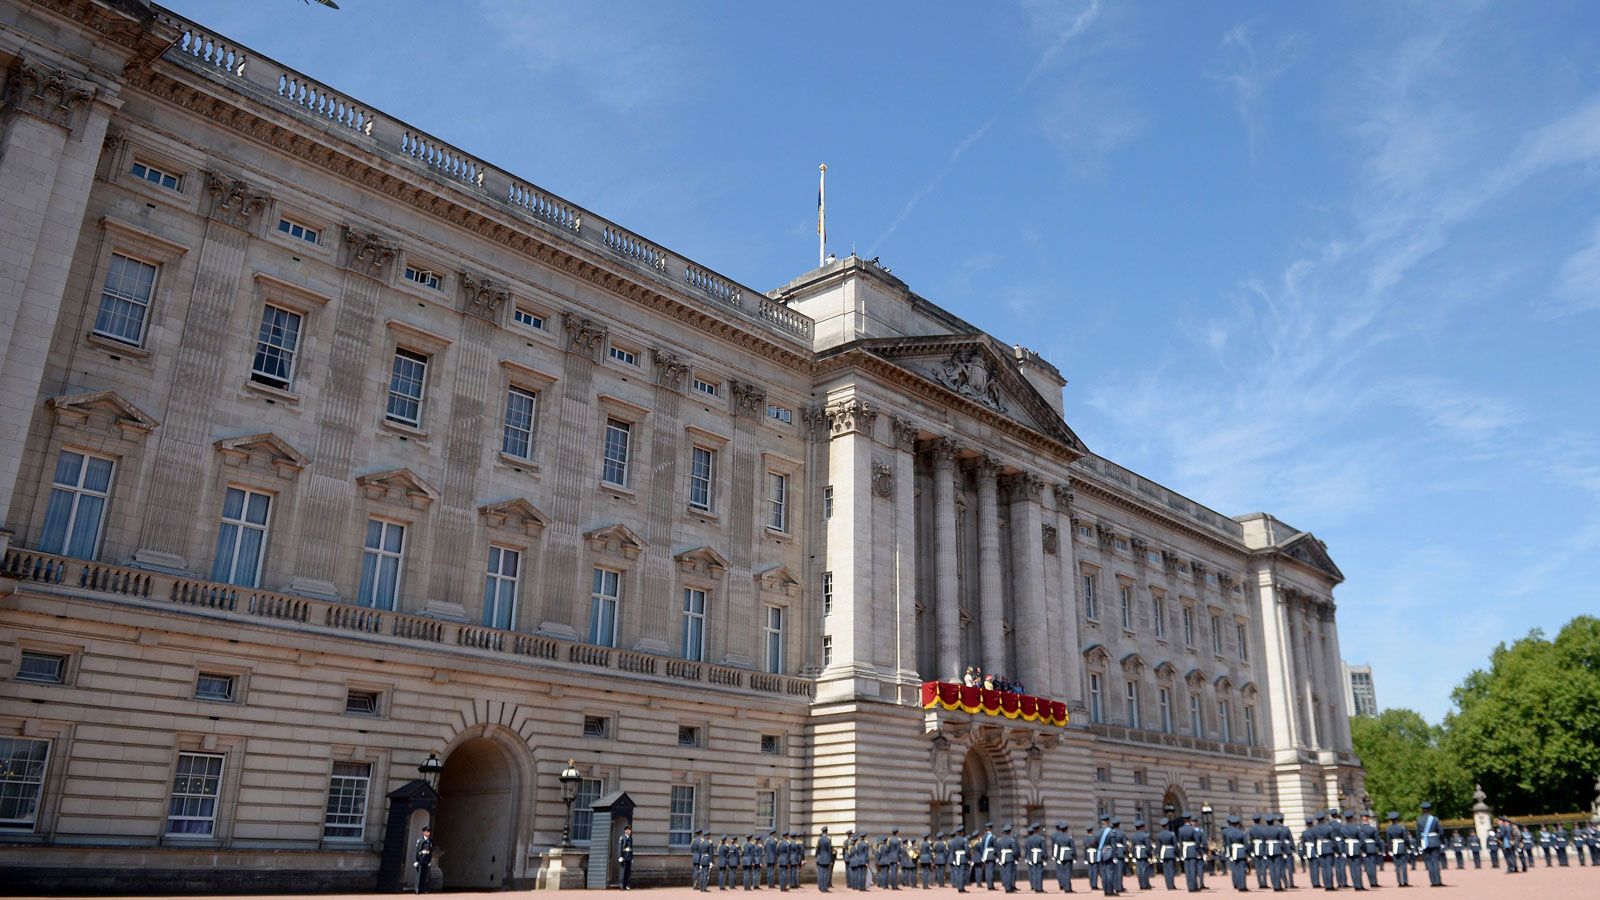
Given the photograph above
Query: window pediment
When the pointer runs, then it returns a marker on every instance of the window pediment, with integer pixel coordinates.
(517, 514)
(617, 540)
(267, 449)
(1223, 683)
(1166, 670)
(1097, 653)
(1133, 662)
(1195, 677)
(778, 580)
(399, 486)
(1248, 689)
(702, 561)
(77, 410)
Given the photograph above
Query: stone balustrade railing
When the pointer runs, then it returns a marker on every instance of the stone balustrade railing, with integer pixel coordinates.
(1181, 741)
(247, 605)
(1172, 500)
(265, 79)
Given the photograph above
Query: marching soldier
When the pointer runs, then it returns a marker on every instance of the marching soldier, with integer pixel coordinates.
(925, 860)
(1119, 857)
(1033, 855)
(1354, 851)
(1371, 848)
(1308, 853)
(984, 863)
(1544, 843)
(422, 858)
(1508, 839)
(1091, 851)
(1257, 833)
(720, 857)
(1006, 849)
(960, 859)
(1166, 850)
(1190, 840)
(1399, 846)
(699, 858)
(750, 863)
(941, 859)
(1236, 850)
(824, 861)
(1561, 839)
(1143, 857)
(854, 862)
(1063, 849)
(1431, 838)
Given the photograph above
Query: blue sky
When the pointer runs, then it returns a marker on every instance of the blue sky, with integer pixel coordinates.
(1337, 262)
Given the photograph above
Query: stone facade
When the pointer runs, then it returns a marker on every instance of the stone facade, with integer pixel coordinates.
(325, 446)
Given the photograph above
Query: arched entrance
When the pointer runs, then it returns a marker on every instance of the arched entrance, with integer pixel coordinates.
(1175, 798)
(983, 792)
(477, 816)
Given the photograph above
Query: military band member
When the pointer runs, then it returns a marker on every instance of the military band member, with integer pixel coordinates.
(941, 859)
(960, 860)
(1430, 837)
(1166, 850)
(1063, 849)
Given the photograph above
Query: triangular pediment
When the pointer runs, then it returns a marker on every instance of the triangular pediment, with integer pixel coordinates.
(1195, 677)
(978, 369)
(778, 579)
(617, 539)
(76, 409)
(1097, 652)
(1132, 661)
(702, 561)
(1306, 548)
(266, 447)
(1165, 669)
(515, 513)
(398, 485)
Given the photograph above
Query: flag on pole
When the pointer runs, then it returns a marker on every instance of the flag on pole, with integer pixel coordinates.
(822, 216)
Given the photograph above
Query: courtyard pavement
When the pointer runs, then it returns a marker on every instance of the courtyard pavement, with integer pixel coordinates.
(1571, 883)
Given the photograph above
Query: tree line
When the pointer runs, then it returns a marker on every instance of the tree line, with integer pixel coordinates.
(1527, 728)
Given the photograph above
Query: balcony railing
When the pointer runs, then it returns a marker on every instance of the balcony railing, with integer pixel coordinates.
(267, 81)
(253, 605)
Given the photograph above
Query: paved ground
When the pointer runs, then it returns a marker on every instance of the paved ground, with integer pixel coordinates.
(1572, 883)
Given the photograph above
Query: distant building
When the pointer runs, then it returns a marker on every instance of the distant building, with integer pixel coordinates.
(1359, 695)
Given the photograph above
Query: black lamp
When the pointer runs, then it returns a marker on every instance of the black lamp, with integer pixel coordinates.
(431, 769)
(570, 777)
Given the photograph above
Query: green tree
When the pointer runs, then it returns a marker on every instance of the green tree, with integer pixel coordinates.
(1528, 727)
(1407, 763)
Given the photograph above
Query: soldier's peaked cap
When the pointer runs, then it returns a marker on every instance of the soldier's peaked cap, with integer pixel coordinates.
(1255, 817)
(1427, 805)
(1106, 817)
(1393, 815)
(1233, 820)
(1061, 826)
(1115, 822)
(1006, 829)
(1138, 823)
(988, 824)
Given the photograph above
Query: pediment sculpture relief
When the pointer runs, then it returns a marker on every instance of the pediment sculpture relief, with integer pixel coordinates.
(967, 373)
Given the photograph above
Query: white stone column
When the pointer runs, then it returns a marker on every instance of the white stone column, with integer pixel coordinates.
(850, 543)
(1068, 645)
(948, 599)
(1277, 632)
(1339, 724)
(1027, 582)
(991, 579)
(901, 485)
(1312, 733)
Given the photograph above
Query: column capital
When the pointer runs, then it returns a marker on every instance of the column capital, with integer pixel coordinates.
(944, 451)
(749, 398)
(48, 94)
(1024, 487)
(671, 368)
(1064, 496)
(368, 253)
(233, 201)
(905, 433)
(482, 296)
(584, 335)
(984, 466)
(854, 416)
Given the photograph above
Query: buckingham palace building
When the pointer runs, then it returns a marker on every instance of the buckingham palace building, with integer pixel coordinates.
(327, 448)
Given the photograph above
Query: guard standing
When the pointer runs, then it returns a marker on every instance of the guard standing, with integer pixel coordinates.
(1167, 853)
(1189, 841)
(1400, 849)
(1371, 847)
(727, 862)
(422, 858)
(1236, 847)
(1561, 838)
(1431, 836)
(1475, 847)
(625, 858)
(1006, 849)
(1033, 854)
(1507, 838)
(824, 861)
(925, 860)
(1119, 857)
(1308, 853)
(960, 860)
(1063, 849)
(750, 863)
(984, 864)
(1458, 846)
(941, 859)
(1258, 849)
(1354, 850)
(1143, 857)
(852, 861)
(1091, 851)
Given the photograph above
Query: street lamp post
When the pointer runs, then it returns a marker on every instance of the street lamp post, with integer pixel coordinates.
(430, 770)
(570, 778)
(1206, 818)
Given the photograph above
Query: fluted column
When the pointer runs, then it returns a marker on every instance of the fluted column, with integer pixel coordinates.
(900, 485)
(1341, 715)
(1027, 581)
(1311, 734)
(1277, 630)
(947, 601)
(1069, 646)
(991, 579)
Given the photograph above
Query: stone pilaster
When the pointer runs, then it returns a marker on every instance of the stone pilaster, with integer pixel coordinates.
(1341, 715)
(948, 600)
(902, 493)
(742, 630)
(1027, 581)
(852, 535)
(991, 577)
(1277, 630)
(170, 535)
(660, 597)
(1070, 646)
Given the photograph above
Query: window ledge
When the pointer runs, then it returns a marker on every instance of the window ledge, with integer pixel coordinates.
(526, 466)
(618, 491)
(703, 515)
(786, 537)
(115, 346)
(272, 393)
(404, 430)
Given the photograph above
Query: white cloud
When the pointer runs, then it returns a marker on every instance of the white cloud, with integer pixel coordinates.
(1088, 120)
(1248, 74)
(1577, 286)
(1055, 25)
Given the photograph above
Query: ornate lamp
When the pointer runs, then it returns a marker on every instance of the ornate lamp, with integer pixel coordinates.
(430, 770)
(570, 777)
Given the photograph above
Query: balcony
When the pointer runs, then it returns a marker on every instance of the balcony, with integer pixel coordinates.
(976, 700)
(48, 573)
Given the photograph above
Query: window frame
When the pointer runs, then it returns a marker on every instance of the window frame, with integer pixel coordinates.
(700, 384)
(377, 702)
(706, 482)
(773, 639)
(508, 428)
(428, 280)
(139, 162)
(518, 309)
(1158, 614)
(623, 353)
(693, 619)
(173, 796)
(1197, 716)
(241, 525)
(233, 679)
(1088, 593)
(614, 423)
(350, 812)
(1131, 697)
(680, 823)
(62, 661)
(1097, 703)
(597, 599)
(418, 359)
(497, 581)
(264, 348)
(1164, 700)
(1125, 597)
(147, 306)
(78, 492)
(316, 231)
(399, 557)
(29, 825)
(778, 494)
(583, 812)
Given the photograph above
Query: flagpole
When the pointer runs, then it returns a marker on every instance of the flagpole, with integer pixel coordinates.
(822, 214)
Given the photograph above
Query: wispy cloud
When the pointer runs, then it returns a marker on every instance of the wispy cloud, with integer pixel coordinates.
(1056, 25)
(1577, 287)
(1247, 73)
(927, 188)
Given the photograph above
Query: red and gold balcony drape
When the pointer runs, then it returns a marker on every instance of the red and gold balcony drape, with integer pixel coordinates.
(993, 703)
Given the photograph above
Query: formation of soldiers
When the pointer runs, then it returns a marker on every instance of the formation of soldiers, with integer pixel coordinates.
(1336, 849)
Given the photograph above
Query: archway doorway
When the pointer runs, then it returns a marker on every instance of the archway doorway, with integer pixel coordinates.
(476, 817)
(1175, 799)
(983, 795)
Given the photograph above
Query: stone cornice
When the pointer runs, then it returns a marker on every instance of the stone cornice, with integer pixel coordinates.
(1086, 488)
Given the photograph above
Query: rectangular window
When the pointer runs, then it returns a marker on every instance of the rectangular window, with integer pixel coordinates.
(583, 809)
(1188, 627)
(777, 501)
(296, 230)
(1096, 700)
(527, 318)
(160, 177)
(604, 595)
(766, 811)
(771, 744)
(407, 378)
(517, 434)
(1121, 544)
(596, 727)
(1225, 720)
(346, 815)
(1166, 710)
(1091, 606)
(694, 624)
(827, 593)
(1133, 704)
(242, 537)
(709, 388)
(79, 493)
(702, 478)
(1197, 725)
(680, 820)
(781, 413)
(362, 703)
(1127, 607)
(196, 785)
(500, 587)
(827, 502)
(827, 650)
(1158, 615)
(688, 736)
(624, 355)
(125, 300)
(22, 767)
(424, 277)
(1139, 777)
(1243, 639)
(210, 686)
(1102, 774)
(772, 632)
(1250, 725)
(381, 561)
(45, 668)
(1216, 635)
(614, 469)
(276, 345)
(1205, 782)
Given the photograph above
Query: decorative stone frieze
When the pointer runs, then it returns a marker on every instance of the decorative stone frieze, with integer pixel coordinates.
(50, 94)
(74, 410)
(671, 368)
(585, 336)
(968, 373)
(852, 417)
(233, 201)
(1051, 539)
(883, 480)
(749, 398)
(270, 449)
(483, 297)
(368, 253)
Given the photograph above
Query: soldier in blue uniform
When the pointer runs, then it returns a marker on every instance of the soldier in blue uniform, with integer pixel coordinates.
(1355, 851)
(960, 860)
(824, 857)
(1257, 835)
(1280, 852)
(1398, 843)
(1494, 846)
(1475, 847)
(699, 857)
(1308, 853)
(422, 858)
(1101, 849)
(1561, 839)
(1371, 846)
(1119, 856)
(984, 857)
(1236, 853)
(941, 859)
(749, 864)
(1430, 838)
(1006, 851)
(1507, 837)
(1190, 840)
(855, 862)
(925, 860)
(1063, 848)
(1458, 847)
(1166, 850)
(1143, 853)
(1034, 856)
(1091, 850)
